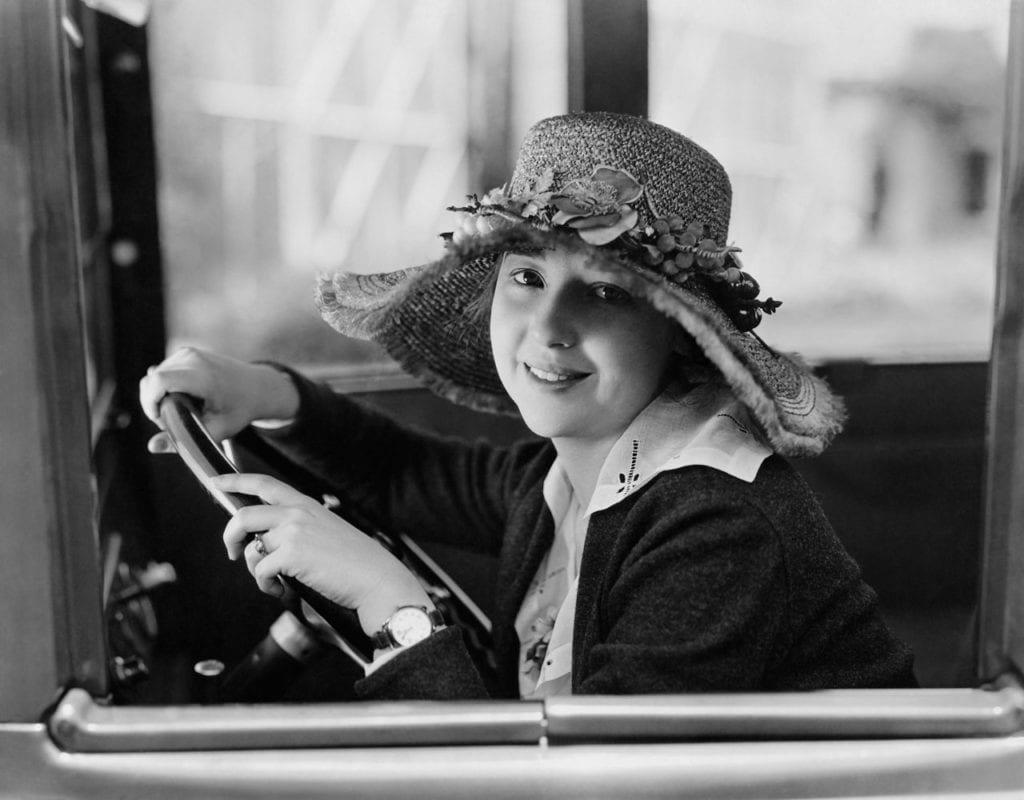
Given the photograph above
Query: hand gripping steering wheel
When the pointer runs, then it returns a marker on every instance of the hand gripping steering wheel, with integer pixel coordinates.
(332, 623)
(337, 625)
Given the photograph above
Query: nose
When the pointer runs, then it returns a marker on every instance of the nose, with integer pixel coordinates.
(553, 322)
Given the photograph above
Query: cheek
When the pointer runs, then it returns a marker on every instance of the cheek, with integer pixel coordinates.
(645, 353)
(502, 338)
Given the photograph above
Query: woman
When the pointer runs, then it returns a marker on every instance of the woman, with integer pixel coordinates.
(653, 538)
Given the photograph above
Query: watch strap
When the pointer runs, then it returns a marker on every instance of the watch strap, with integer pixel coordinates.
(383, 640)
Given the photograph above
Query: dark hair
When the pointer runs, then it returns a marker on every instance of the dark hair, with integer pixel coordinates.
(479, 309)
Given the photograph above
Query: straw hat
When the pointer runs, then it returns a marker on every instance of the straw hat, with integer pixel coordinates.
(631, 193)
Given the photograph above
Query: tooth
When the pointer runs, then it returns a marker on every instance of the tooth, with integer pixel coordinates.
(554, 377)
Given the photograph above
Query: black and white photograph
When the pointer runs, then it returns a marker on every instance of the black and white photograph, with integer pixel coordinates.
(480, 399)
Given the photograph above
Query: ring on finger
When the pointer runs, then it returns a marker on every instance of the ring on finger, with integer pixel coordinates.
(258, 545)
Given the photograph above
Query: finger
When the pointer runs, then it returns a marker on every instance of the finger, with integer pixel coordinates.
(159, 381)
(179, 372)
(253, 556)
(259, 544)
(160, 443)
(248, 521)
(269, 490)
(267, 573)
(150, 395)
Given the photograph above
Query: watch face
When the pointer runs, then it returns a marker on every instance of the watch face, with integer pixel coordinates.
(409, 625)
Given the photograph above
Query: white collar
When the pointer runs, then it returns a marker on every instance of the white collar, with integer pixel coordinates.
(706, 426)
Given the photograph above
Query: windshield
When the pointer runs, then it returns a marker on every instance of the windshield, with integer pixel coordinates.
(863, 147)
(863, 140)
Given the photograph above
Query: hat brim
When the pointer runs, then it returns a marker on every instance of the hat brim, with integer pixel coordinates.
(425, 318)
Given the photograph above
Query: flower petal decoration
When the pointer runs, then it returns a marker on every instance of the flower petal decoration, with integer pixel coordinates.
(491, 222)
(596, 221)
(599, 208)
(629, 188)
(605, 235)
(580, 198)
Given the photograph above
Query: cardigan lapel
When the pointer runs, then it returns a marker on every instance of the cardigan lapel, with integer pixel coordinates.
(527, 542)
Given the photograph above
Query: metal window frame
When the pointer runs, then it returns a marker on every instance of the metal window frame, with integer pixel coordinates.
(50, 572)
(1001, 634)
(608, 55)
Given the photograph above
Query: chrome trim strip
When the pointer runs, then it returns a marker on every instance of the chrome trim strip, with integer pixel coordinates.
(837, 714)
(81, 725)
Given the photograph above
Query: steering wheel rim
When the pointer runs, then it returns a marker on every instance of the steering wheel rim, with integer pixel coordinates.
(205, 459)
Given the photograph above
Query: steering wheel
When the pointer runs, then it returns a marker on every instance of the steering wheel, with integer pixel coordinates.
(333, 624)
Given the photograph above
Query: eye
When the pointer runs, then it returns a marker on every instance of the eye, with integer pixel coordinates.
(610, 293)
(527, 277)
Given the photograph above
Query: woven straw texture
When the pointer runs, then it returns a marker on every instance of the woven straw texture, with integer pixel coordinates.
(422, 316)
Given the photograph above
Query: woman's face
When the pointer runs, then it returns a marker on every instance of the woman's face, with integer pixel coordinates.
(579, 354)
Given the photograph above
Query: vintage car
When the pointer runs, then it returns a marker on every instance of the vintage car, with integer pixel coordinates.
(136, 660)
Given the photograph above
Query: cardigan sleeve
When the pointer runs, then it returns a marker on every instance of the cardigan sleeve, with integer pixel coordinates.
(438, 668)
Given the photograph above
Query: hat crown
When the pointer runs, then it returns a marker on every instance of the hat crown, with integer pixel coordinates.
(679, 176)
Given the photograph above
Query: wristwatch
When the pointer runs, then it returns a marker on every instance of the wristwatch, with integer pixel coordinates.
(408, 625)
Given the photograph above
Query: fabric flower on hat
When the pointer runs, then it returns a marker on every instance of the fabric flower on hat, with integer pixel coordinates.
(476, 224)
(498, 210)
(599, 208)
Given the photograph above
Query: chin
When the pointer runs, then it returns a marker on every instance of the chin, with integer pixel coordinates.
(547, 424)
(557, 426)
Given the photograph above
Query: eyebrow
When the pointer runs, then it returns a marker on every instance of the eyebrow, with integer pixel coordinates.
(605, 275)
(530, 253)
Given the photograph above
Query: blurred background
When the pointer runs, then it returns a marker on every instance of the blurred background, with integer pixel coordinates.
(862, 138)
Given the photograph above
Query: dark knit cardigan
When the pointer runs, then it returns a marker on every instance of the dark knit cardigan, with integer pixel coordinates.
(699, 582)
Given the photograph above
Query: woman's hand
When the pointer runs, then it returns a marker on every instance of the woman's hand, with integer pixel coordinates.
(234, 393)
(306, 541)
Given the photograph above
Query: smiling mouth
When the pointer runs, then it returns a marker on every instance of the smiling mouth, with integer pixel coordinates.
(554, 376)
